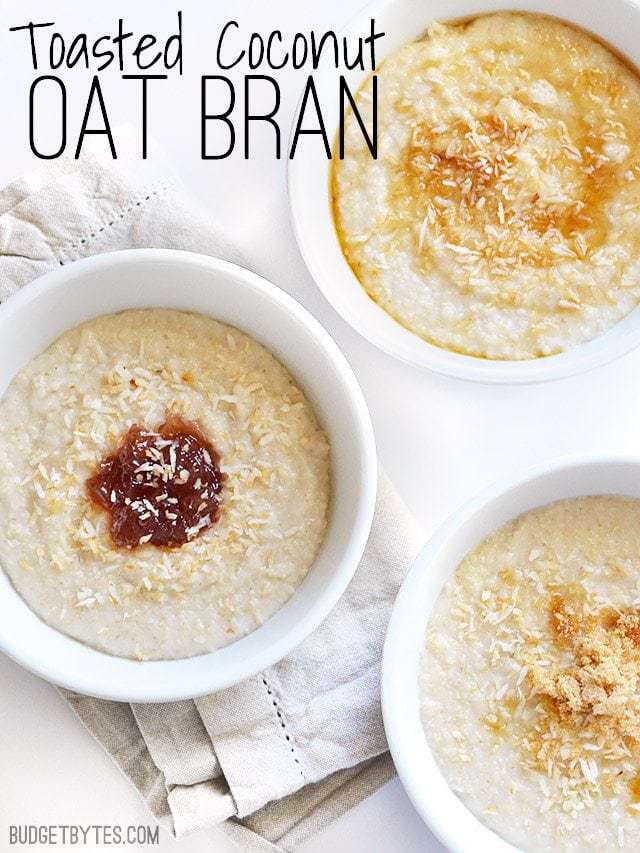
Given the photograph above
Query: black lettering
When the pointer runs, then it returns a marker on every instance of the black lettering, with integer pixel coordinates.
(177, 39)
(32, 27)
(223, 34)
(145, 43)
(318, 47)
(205, 117)
(268, 117)
(256, 38)
(145, 78)
(310, 91)
(56, 39)
(118, 42)
(345, 93)
(276, 34)
(98, 53)
(105, 130)
(63, 140)
(297, 40)
(371, 41)
(358, 61)
(79, 46)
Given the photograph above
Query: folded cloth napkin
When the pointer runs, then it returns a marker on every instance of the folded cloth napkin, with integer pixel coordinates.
(277, 757)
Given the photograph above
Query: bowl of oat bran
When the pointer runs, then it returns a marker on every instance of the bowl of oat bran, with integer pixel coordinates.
(493, 237)
(511, 668)
(187, 475)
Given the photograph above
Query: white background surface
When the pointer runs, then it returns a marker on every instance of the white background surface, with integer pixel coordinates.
(440, 440)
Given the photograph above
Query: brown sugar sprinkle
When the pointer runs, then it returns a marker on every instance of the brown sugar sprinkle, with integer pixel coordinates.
(160, 487)
(562, 617)
(601, 681)
(574, 706)
(586, 705)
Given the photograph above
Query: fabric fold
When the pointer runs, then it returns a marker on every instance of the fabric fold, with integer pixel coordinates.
(177, 741)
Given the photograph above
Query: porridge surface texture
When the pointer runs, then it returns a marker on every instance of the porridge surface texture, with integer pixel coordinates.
(501, 217)
(530, 678)
(72, 405)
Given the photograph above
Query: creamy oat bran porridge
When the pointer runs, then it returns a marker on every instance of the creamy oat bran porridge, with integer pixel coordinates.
(501, 217)
(530, 678)
(247, 547)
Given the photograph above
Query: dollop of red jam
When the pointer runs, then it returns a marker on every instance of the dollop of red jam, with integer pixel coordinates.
(160, 488)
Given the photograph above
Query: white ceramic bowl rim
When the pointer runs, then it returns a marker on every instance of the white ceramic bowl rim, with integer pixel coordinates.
(39, 305)
(617, 22)
(566, 477)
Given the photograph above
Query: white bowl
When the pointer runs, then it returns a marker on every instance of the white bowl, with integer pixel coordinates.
(62, 299)
(617, 22)
(568, 477)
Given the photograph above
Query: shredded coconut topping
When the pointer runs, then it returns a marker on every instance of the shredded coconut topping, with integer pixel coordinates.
(501, 215)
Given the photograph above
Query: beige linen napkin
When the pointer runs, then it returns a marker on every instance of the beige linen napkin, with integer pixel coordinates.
(277, 757)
